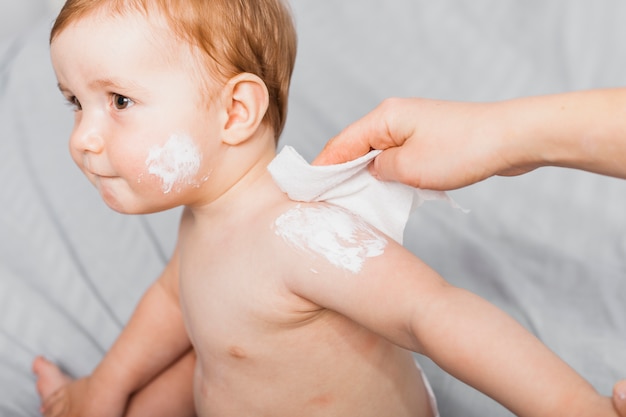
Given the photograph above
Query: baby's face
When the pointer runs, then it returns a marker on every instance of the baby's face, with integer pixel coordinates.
(144, 133)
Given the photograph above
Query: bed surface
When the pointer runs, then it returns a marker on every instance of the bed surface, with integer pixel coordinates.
(548, 247)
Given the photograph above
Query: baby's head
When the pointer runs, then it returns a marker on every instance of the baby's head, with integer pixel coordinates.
(233, 37)
(174, 100)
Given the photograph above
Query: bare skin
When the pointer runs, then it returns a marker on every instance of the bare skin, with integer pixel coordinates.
(619, 397)
(444, 145)
(277, 329)
(50, 377)
(327, 349)
(268, 323)
(169, 394)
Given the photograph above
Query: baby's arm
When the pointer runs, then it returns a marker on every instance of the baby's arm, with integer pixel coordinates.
(482, 346)
(399, 297)
(153, 339)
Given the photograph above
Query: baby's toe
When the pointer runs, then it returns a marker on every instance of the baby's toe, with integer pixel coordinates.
(49, 377)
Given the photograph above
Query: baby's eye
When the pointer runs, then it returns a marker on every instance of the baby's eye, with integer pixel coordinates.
(121, 103)
(74, 103)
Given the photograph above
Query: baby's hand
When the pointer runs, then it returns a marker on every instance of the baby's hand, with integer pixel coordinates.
(62, 396)
(619, 398)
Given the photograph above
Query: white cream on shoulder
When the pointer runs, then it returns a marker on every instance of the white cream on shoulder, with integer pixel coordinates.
(344, 239)
(341, 231)
(384, 205)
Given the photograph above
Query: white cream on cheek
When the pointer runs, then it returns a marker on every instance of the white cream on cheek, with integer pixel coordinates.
(343, 239)
(176, 162)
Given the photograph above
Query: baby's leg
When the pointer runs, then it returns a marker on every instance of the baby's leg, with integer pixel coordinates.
(169, 394)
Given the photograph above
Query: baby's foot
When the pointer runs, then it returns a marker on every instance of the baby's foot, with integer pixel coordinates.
(62, 396)
(49, 377)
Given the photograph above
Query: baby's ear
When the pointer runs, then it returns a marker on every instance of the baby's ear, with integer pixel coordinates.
(246, 99)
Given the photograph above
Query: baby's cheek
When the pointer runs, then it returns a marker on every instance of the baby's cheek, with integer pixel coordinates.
(173, 165)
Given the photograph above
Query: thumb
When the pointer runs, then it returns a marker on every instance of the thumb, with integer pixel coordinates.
(389, 166)
(346, 146)
(619, 398)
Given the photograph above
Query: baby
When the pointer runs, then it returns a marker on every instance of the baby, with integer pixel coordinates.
(181, 103)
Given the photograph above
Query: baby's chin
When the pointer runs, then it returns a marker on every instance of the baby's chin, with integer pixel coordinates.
(121, 198)
(135, 209)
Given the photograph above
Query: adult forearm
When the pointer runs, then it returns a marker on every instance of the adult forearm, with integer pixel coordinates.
(584, 130)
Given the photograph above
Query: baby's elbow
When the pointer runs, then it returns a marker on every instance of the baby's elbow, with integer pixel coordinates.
(426, 323)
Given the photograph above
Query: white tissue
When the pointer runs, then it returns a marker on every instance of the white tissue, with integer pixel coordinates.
(384, 205)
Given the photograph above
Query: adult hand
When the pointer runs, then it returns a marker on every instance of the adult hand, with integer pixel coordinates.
(431, 144)
(444, 145)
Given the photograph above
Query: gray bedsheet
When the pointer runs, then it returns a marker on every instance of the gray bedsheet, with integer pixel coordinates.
(548, 247)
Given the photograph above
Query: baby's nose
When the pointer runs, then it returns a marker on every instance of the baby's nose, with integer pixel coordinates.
(87, 138)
